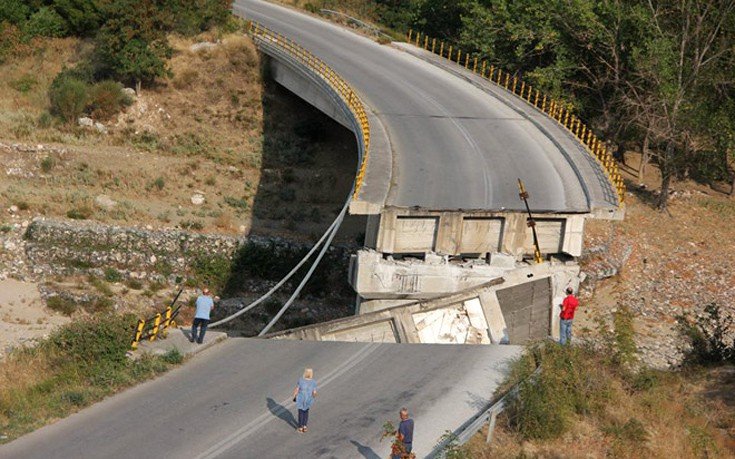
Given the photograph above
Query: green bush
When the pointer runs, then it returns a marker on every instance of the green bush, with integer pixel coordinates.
(80, 213)
(14, 11)
(571, 381)
(45, 23)
(82, 17)
(194, 16)
(68, 96)
(92, 344)
(62, 305)
(211, 270)
(173, 357)
(47, 164)
(24, 83)
(134, 284)
(106, 99)
(709, 337)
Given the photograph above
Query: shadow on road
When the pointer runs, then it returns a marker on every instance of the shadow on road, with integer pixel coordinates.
(281, 412)
(366, 451)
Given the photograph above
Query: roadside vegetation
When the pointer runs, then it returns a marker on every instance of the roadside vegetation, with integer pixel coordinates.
(595, 399)
(76, 366)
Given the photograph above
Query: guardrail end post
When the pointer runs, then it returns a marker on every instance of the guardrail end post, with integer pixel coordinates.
(491, 427)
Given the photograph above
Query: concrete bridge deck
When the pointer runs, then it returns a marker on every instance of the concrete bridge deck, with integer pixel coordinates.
(234, 401)
(451, 144)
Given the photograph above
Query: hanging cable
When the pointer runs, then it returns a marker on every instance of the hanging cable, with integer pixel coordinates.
(329, 233)
(306, 278)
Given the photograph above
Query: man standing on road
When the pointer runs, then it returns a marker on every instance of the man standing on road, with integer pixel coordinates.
(204, 305)
(405, 434)
(568, 306)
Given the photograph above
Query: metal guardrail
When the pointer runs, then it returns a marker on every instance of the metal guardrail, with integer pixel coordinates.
(474, 425)
(157, 325)
(555, 109)
(336, 82)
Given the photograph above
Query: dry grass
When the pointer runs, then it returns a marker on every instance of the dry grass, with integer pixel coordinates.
(203, 130)
(676, 418)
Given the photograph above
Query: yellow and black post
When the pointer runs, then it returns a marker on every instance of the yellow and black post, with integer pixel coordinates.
(138, 333)
(156, 326)
(531, 222)
(166, 321)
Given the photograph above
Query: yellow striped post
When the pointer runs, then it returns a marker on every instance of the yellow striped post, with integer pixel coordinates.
(467, 60)
(490, 73)
(449, 54)
(523, 88)
(156, 326)
(426, 42)
(459, 56)
(543, 105)
(410, 32)
(433, 45)
(441, 49)
(535, 99)
(167, 321)
(138, 333)
(418, 35)
(566, 120)
(589, 136)
(515, 83)
(507, 79)
(484, 67)
(474, 66)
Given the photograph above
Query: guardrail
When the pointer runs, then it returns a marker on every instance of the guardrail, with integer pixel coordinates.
(490, 415)
(336, 82)
(555, 109)
(157, 325)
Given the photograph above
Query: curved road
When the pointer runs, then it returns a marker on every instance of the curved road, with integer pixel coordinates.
(454, 145)
(233, 401)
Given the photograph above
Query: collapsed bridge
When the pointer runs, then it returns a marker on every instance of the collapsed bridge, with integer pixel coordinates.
(441, 148)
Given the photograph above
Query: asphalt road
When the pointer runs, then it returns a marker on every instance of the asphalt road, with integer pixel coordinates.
(455, 146)
(234, 401)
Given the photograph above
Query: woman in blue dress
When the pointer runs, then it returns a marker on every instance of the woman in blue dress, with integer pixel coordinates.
(303, 395)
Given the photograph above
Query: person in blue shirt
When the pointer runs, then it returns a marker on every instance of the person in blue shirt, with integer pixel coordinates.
(304, 394)
(204, 305)
(405, 431)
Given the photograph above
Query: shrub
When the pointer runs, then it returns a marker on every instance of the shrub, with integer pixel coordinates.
(45, 23)
(44, 120)
(62, 305)
(14, 11)
(173, 357)
(112, 275)
(24, 83)
(106, 99)
(11, 40)
(47, 164)
(101, 341)
(709, 337)
(68, 96)
(212, 270)
(80, 213)
(571, 381)
(134, 284)
(193, 17)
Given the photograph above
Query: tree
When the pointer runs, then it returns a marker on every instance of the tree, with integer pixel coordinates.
(132, 45)
(689, 42)
(83, 17)
(45, 23)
